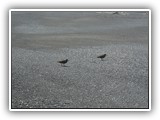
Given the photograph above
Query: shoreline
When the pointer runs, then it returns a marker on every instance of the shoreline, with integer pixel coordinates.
(38, 81)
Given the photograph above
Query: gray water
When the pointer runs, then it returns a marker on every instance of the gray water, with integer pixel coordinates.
(74, 22)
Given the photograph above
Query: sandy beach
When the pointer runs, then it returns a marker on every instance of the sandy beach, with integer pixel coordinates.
(40, 39)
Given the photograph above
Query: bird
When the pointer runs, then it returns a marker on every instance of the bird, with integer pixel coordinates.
(116, 13)
(102, 56)
(63, 62)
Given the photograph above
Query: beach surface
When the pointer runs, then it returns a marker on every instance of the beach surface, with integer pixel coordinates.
(40, 39)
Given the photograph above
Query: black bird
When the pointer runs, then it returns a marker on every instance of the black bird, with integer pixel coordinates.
(102, 56)
(63, 62)
(116, 13)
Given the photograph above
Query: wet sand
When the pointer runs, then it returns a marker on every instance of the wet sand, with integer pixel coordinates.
(41, 39)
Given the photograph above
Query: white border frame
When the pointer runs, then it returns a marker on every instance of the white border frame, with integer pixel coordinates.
(76, 109)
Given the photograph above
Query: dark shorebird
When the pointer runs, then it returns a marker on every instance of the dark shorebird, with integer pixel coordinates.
(116, 13)
(63, 62)
(102, 56)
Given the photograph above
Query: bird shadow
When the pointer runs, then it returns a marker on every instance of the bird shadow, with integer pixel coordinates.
(65, 66)
(103, 60)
